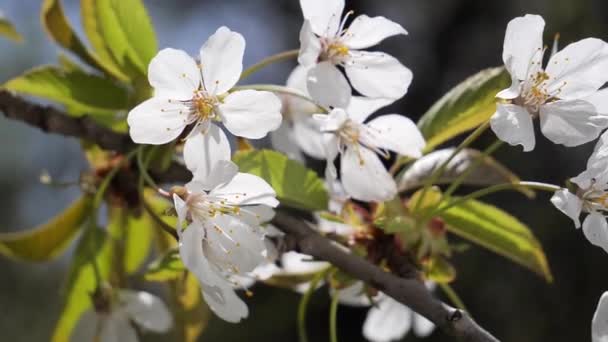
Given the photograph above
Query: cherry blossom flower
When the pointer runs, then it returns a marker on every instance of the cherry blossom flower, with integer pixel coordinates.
(362, 173)
(599, 324)
(325, 43)
(190, 93)
(563, 94)
(388, 320)
(225, 238)
(591, 197)
(113, 323)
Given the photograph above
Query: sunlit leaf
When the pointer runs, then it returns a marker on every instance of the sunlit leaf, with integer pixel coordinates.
(7, 30)
(463, 108)
(488, 172)
(499, 232)
(168, 267)
(191, 313)
(133, 236)
(429, 201)
(48, 240)
(295, 185)
(80, 92)
(439, 270)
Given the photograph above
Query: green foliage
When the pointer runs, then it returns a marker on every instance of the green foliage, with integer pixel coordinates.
(499, 232)
(295, 185)
(48, 240)
(133, 236)
(463, 108)
(439, 270)
(80, 92)
(7, 30)
(167, 267)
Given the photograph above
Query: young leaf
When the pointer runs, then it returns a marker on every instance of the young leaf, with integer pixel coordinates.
(168, 267)
(439, 270)
(499, 232)
(122, 29)
(463, 108)
(80, 92)
(489, 171)
(295, 185)
(133, 236)
(48, 240)
(7, 30)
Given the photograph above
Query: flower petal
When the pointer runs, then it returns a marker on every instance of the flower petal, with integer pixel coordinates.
(422, 326)
(181, 210)
(399, 134)
(599, 100)
(224, 302)
(364, 31)
(191, 252)
(147, 310)
(513, 125)
(324, 15)
(328, 86)
(361, 107)
(569, 204)
(86, 327)
(377, 74)
(523, 44)
(578, 70)
(595, 229)
(174, 74)
(599, 324)
(364, 176)
(222, 60)
(157, 121)
(283, 140)
(222, 173)
(298, 263)
(571, 123)
(388, 321)
(250, 113)
(599, 157)
(202, 151)
(310, 46)
(247, 189)
(354, 295)
(117, 328)
(307, 134)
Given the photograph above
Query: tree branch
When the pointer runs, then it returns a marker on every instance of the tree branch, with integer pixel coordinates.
(409, 291)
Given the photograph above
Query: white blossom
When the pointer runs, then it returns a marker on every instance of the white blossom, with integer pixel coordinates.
(363, 175)
(599, 324)
(114, 325)
(563, 94)
(225, 237)
(325, 43)
(592, 198)
(190, 93)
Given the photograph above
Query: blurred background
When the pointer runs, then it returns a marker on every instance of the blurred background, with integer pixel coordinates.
(448, 41)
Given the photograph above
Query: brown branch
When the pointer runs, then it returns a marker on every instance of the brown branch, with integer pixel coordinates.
(409, 291)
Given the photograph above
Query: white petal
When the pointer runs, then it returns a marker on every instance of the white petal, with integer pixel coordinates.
(332, 227)
(599, 324)
(569, 204)
(202, 151)
(523, 44)
(328, 86)
(354, 295)
(191, 253)
(174, 74)
(578, 70)
(595, 228)
(332, 121)
(364, 177)
(399, 134)
(147, 310)
(157, 121)
(181, 208)
(223, 172)
(361, 107)
(364, 31)
(513, 125)
(592, 176)
(331, 145)
(388, 321)
(514, 90)
(247, 189)
(224, 302)
(310, 46)
(283, 140)
(377, 74)
(324, 15)
(250, 113)
(297, 80)
(222, 60)
(599, 157)
(117, 328)
(297, 263)
(599, 100)
(571, 123)
(86, 327)
(422, 326)
(307, 134)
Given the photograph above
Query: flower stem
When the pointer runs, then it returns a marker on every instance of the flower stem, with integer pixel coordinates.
(303, 306)
(333, 318)
(142, 165)
(281, 90)
(267, 61)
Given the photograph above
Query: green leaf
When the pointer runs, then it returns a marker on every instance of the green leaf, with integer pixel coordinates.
(498, 231)
(82, 281)
(122, 30)
(168, 267)
(191, 313)
(48, 240)
(463, 108)
(295, 185)
(133, 236)
(439, 270)
(7, 30)
(80, 92)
